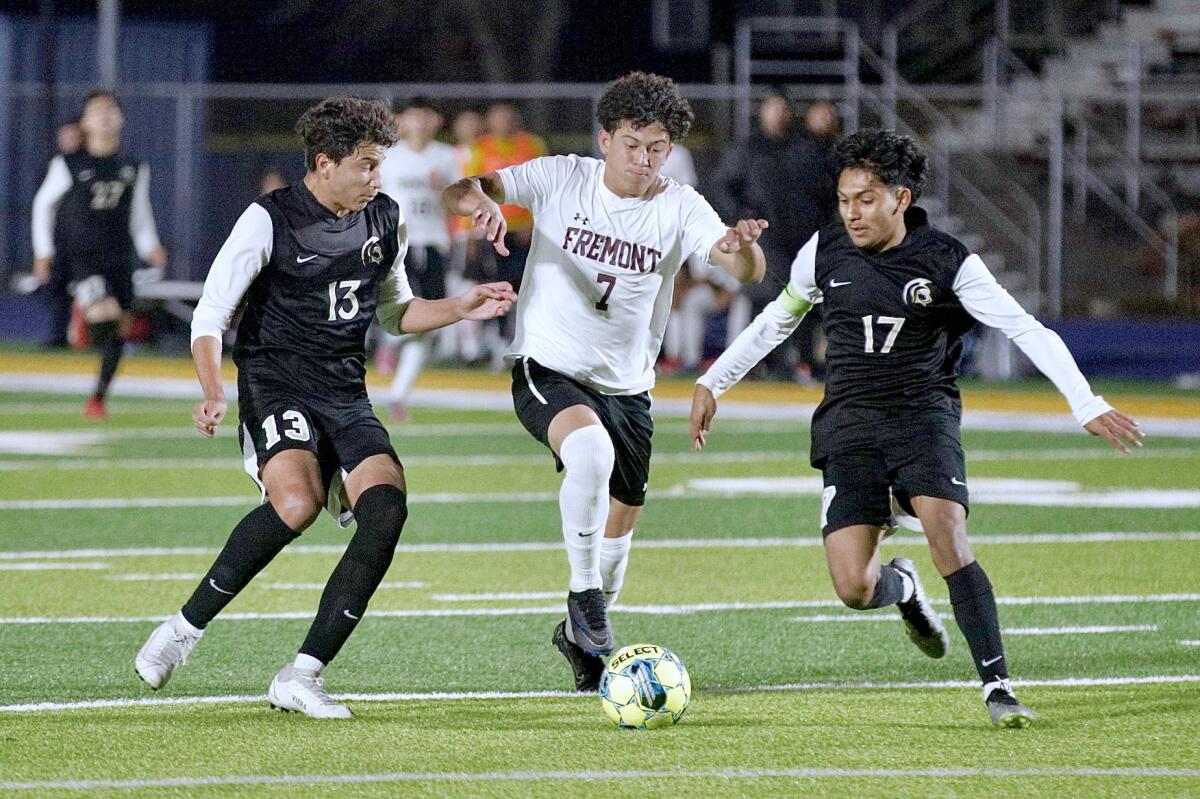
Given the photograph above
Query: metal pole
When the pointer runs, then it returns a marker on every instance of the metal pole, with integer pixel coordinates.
(1171, 256)
(741, 76)
(183, 219)
(991, 87)
(1054, 220)
(1079, 184)
(1002, 21)
(891, 60)
(850, 69)
(1133, 126)
(108, 24)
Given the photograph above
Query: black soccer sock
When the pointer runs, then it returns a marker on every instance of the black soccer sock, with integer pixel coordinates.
(380, 512)
(107, 338)
(975, 611)
(888, 590)
(254, 543)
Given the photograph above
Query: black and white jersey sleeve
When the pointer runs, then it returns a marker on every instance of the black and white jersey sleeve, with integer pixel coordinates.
(238, 263)
(985, 299)
(771, 327)
(45, 206)
(395, 293)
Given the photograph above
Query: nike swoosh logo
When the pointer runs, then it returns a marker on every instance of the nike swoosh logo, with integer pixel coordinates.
(957, 482)
(218, 588)
(300, 260)
(833, 284)
(587, 535)
(986, 663)
(350, 615)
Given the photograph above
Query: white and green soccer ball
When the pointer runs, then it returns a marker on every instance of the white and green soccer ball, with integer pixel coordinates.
(645, 686)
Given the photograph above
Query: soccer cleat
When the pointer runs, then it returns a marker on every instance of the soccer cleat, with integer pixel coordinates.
(300, 691)
(588, 617)
(1005, 709)
(921, 622)
(587, 668)
(95, 409)
(166, 650)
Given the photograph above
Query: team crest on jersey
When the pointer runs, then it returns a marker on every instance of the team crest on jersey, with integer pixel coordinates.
(918, 291)
(372, 252)
(128, 173)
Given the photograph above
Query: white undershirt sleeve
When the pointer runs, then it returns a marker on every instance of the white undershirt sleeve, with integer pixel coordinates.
(241, 258)
(394, 292)
(141, 216)
(45, 206)
(771, 327)
(986, 300)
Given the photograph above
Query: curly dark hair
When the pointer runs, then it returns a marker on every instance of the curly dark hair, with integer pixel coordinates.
(643, 99)
(337, 125)
(894, 158)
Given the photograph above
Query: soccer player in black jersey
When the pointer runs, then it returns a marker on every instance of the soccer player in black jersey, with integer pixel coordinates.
(310, 264)
(89, 215)
(898, 296)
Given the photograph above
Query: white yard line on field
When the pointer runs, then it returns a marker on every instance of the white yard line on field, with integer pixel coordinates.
(724, 775)
(156, 701)
(1187, 642)
(321, 586)
(53, 566)
(138, 578)
(1007, 539)
(499, 596)
(889, 618)
(556, 609)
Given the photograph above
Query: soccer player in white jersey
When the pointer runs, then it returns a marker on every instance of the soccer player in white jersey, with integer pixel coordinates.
(414, 173)
(609, 237)
(898, 295)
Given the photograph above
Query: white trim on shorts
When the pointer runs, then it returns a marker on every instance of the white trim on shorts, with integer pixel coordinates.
(529, 381)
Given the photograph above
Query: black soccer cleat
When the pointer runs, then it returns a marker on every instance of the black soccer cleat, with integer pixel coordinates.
(587, 668)
(1004, 709)
(588, 616)
(921, 622)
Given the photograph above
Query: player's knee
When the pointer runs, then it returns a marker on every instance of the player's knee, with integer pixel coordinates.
(382, 509)
(588, 452)
(297, 509)
(855, 590)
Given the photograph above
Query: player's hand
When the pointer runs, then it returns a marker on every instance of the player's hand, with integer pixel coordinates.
(486, 301)
(208, 414)
(744, 234)
(41, 269)
(704, 408)
(1117, 429)
(488, 220)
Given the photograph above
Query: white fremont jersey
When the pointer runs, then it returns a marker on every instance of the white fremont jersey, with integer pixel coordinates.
(597, 287)
(415, 179)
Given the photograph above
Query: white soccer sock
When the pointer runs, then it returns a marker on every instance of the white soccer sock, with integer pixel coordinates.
(308, 663)
(587, 456)
(614, 557)
(413, 352)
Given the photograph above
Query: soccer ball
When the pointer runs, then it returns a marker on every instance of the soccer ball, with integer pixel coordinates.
(645, 686)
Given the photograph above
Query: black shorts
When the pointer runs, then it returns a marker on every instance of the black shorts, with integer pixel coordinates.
(923, 460)
(277, 415)
(540, 393)
(92, 277)
(426, 270)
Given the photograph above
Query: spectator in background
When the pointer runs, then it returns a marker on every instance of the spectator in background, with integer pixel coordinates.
(69, 139)
(271, 180)
(700, 292)
(781, 175)
(503, 145)
(90, 214)
(466, 268)
(821, 122)
(413, 174)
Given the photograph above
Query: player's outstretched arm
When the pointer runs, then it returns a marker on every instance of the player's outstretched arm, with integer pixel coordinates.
(208, 413)
(704, 408)
(479, 198)
(739, 253)
(479, 303)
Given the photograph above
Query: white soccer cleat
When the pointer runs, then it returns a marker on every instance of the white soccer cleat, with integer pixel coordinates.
(300, 691)
(167, 648)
